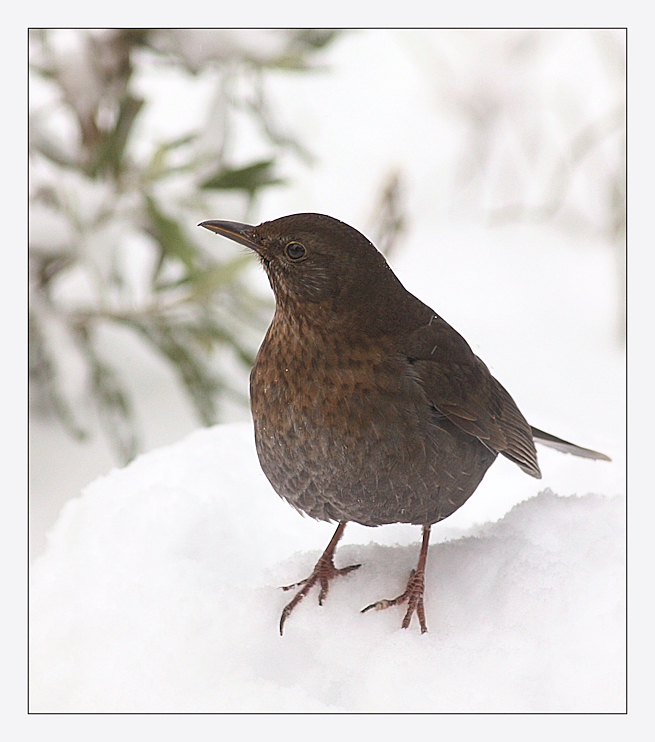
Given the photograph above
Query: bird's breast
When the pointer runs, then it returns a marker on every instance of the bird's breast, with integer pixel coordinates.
(314, 385)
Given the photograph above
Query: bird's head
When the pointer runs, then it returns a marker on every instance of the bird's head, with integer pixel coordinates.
(313, 259)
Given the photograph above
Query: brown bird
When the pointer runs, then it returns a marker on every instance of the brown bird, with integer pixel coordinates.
(367, 406)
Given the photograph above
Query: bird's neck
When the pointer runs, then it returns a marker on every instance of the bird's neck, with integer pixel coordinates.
(355, 318)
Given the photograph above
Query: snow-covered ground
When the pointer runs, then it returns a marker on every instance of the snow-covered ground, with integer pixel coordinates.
(159, 587)
(160, 593)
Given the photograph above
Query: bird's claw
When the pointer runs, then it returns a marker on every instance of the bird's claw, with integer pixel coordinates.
(324, 571)
(413, 596)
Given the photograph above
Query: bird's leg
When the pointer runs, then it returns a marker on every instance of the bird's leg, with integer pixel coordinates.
(323, 572)
(413, 594)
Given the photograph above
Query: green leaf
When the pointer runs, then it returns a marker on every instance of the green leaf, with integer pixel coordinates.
(249, 178)
(43, 373)
(114, 408)
(206, 282)
(317, 38)
(111, 148)
(169, 236)
(158, 167)
(200, 384)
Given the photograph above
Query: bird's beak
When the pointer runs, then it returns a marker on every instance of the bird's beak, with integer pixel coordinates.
(241, 233)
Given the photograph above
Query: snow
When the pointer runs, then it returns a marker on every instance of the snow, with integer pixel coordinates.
(159, 587)
(159, 592)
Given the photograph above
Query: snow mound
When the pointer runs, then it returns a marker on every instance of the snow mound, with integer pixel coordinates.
(159, 592)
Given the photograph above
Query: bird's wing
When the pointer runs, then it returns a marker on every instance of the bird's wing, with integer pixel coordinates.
(460, 386)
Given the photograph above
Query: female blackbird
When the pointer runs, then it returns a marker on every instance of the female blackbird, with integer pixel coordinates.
(367, 406)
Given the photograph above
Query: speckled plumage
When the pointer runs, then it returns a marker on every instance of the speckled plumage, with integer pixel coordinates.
(367, 406)
(348, 431)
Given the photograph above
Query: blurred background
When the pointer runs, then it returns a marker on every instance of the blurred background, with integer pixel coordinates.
(489, 165)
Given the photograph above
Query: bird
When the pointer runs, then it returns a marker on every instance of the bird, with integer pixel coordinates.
(367, 406)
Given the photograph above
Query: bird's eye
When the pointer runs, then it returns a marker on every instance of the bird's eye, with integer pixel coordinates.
(295, 251)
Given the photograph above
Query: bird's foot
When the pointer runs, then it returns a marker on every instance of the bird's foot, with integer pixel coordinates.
(413, 596)
(324, 571)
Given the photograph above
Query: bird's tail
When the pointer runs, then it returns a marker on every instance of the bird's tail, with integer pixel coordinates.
(565, 447)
